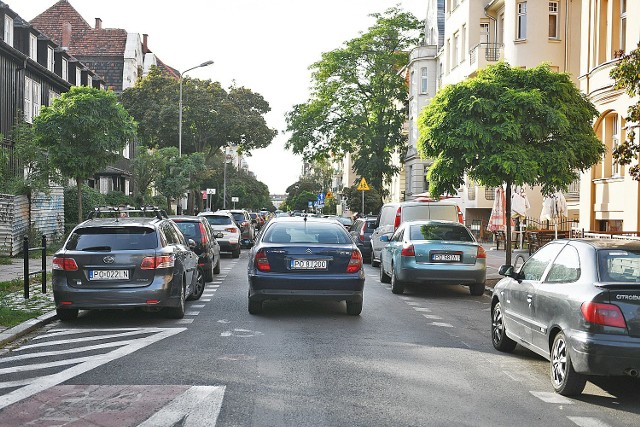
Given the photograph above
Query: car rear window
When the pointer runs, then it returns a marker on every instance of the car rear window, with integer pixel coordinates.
(112, 239)
(219, 219)
(307, 233)
(370, 225)
(191, 230)
(616, 265)
(440, 232)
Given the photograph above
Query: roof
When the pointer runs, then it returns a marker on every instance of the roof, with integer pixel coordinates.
(85, 40)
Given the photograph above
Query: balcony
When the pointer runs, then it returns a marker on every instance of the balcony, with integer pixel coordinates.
(484, 54)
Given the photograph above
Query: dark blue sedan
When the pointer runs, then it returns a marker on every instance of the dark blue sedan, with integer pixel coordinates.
(305, 258)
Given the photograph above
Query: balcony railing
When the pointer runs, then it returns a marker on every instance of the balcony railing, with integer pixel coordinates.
(491, 52)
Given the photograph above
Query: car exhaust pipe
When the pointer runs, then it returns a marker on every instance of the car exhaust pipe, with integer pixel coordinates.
(631, 372)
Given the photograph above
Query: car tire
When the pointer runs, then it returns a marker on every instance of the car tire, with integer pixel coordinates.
(374, 261)
(254, 306)
(397, 287)
(354, 308)
(564, 379)
(477, 289)
(198, 288)
(499, 338)
(235, 253)
(216, 269)
(67, 314)
(177, 312)
(208, 277)
(384, 277)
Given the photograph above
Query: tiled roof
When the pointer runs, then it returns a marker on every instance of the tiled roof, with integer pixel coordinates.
(170, 71)
(85, 40)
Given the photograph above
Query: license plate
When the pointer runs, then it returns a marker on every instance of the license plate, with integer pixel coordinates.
(445, 257)
(108, 274)
(308, 264)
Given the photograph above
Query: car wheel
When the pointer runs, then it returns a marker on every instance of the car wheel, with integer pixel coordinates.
(476, 289)
(198, 287)
(384, 277)
(564, 379)
(216, 269)
(208, 277)
(236, 253)
(255, 306)
(354, 308)
(499, 338)
(374, 261)
(396, 286)
(177, 312)
(67, 314)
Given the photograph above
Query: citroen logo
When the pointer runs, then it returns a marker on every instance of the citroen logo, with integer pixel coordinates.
(108, 259)
(309, 251)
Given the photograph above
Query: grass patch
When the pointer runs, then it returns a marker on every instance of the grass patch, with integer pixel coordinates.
(10, 317)
(14, 285)
(5, 260)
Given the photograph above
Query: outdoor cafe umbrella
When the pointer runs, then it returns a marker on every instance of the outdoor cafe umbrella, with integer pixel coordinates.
(497, 220)
(554, 206)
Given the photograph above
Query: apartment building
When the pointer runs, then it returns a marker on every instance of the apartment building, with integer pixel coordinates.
(609, 197)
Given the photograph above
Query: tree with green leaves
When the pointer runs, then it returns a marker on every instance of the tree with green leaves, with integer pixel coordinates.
(627, 76)
(148, 166)
(372, 200)
(358, 99)
(83, 131)
(509, 126)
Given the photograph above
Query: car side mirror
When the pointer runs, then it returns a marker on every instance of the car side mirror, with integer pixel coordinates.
(192, 243)
(384, 238)
(505, 270)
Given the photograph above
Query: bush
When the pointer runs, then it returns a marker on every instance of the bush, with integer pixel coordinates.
(90, 199)
(159, 201)
(118, 198)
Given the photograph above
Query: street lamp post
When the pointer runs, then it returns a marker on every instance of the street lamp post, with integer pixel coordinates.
(204, 64)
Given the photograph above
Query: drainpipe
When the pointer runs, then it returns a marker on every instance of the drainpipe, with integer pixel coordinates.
(495, 26)
(566, 35)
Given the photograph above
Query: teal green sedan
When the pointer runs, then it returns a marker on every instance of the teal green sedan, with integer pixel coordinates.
(433, 253)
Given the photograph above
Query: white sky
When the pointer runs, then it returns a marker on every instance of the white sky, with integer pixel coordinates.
(264, 45)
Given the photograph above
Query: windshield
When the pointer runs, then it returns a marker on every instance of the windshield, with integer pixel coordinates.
(617, 265)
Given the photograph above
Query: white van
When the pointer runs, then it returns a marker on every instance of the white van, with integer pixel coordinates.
(393, 214)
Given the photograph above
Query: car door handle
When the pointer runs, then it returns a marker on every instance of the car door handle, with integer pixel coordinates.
(529, 299)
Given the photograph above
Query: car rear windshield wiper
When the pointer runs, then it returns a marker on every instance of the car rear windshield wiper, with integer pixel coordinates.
(97, 249)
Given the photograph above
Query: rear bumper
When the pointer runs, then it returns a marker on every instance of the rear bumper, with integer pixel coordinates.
(284, 286)
(412, 272)
(604, 354)
(227, 246)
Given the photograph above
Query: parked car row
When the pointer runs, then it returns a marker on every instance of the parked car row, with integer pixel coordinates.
(134, 258)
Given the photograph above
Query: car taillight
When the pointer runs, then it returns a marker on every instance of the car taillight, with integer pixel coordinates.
(153, 262)
(203, 233)
(262, 263)
(408, 250)
(361, 236)
(603, 314)
(231, 230)
(396, 223)
(482, 254)
(64, 264)
(355, 263)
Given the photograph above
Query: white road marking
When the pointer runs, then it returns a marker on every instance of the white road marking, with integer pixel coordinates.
(184, 321)
(444, 325)
(90, 338)
(224, 321)
(57, 332)
(216, 285)
(198, 406)
(422, 309)
(38, 366)
(242, 333)
(551, 397)
(588, 422)
(198, 306)
(67, 351)
(191, 313)
(413, 303)
(43, 383)
(432, 317)
(205, 299)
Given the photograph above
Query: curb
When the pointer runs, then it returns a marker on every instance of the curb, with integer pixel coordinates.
(24, 328)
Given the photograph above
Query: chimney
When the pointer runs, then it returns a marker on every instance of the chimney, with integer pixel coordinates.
(145, 47)
(98, 24)
(66, 34)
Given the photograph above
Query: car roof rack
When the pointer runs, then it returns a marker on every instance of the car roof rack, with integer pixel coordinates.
(125, 211)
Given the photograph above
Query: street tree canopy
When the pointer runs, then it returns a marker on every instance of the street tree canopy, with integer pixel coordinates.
(627, 77)
(358, 97)
(509, 126)
(83, 131)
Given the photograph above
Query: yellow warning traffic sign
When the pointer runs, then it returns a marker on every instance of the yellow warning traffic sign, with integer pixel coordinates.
(329, 195)
(363, 186)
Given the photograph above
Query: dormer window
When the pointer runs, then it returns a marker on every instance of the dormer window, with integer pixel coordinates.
(64, 72)
(8, 30)
(33, 47)
(78, 76)
(89, 81)
(50, 58)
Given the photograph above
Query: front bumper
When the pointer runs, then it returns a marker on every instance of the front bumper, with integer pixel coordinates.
(599, 354)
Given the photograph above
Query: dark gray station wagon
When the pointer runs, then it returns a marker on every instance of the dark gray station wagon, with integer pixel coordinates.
(124, 263)
(576, 303)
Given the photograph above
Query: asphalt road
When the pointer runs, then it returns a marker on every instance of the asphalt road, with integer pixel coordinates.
(421, 359)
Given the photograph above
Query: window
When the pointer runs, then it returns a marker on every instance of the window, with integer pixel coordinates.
(623, 25)
(463, 43)
(535, 266)
(484, 32)
(50, 58)
(455, 56)
(32, 99)
(554, 20)
(522, 21)
(126, 151)
(423, 80)
(64, 71)
(8, 30)
(78, 76)
(33, 47)
(89, 81)
(615, 142)
(566, 267)
(52, 96)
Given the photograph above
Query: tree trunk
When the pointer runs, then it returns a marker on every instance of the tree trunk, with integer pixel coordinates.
(508, 231)
(79, 186)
